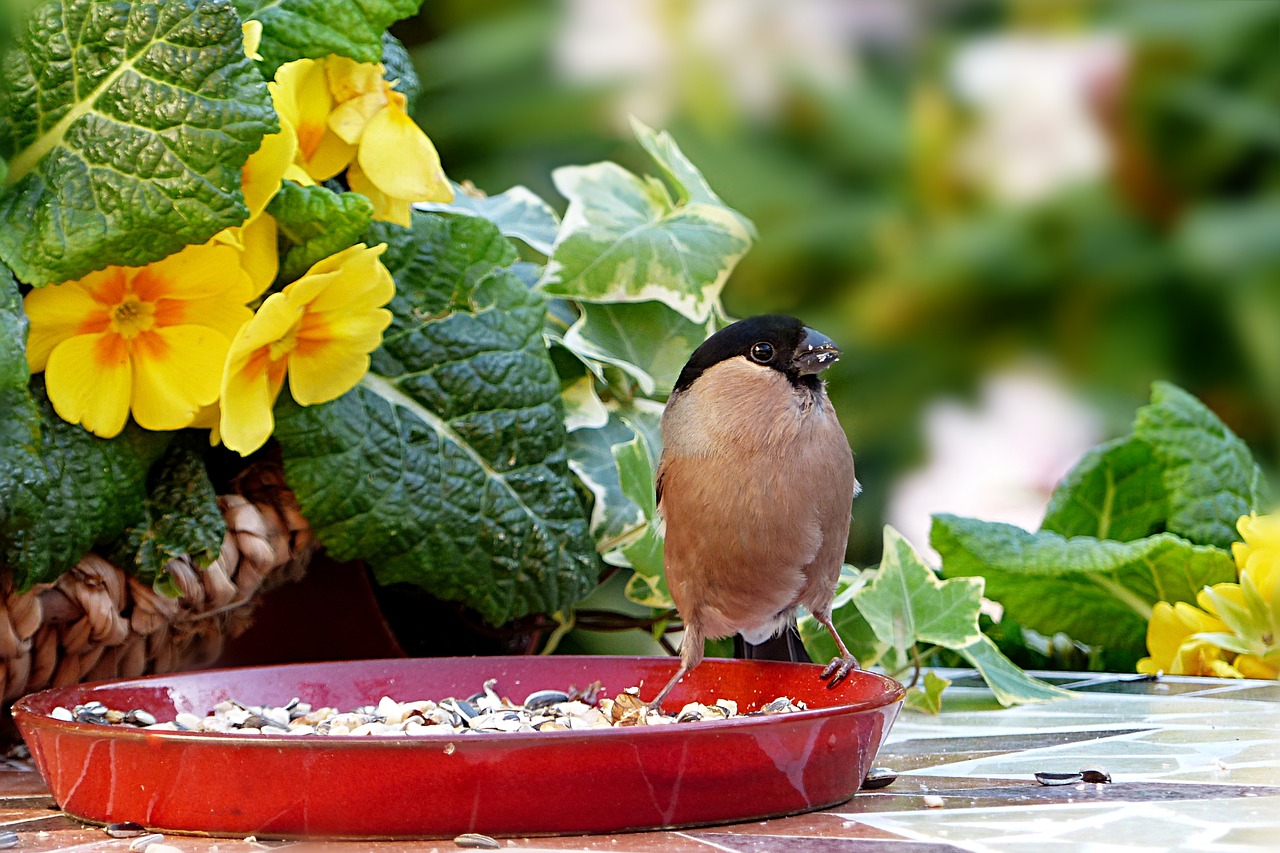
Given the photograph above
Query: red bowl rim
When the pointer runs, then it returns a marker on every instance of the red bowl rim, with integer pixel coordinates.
(24, 715)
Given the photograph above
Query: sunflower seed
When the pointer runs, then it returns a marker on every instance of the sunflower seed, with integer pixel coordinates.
(8, 839)
(125, 829)
(476, 841)
(879, 777)
(142, 842)
(1095, 775)
(1059, 778)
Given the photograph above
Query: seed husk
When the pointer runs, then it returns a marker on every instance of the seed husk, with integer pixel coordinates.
(125, 829)
(476, 841)
(879, 777)
(1059, 778)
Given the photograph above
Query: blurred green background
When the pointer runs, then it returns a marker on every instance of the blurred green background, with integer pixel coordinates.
(1013, 217)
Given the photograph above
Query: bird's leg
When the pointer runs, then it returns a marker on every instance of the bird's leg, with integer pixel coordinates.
(840, 667)
(691, 651)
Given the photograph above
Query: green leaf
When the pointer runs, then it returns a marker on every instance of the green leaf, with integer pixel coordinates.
(614, 516)
(399, 70)
(317, 223)
(444, 257)
(647, 340)
(848, 620)
(929, 699)
(309, 29)
(518, 213)
(907, 603)
(180, 516)
(130, 125)
(1116, 491)
(23, 479)
(635, 463)
(446, 467)
(1010, 684)
(92, 489)
(1099, 592)
(624, 239)
(1209, 473)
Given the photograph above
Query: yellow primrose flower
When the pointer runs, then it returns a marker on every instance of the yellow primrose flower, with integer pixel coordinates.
(302, 98)
(347, 115)
(259, 253)
(1172, 649)
(319, 331)
(149, 340)
(1259, 554)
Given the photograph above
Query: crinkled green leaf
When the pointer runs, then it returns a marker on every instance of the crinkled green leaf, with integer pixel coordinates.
(92, 490)
(907, 603)
(625, 239)
(647, 340)
(399, 70)
(849, 621)
(1209, 473)
(317, 223)
(444, 257)
(1116, 491)
(928, 699)
(130, 125)
(518, 213)
(1100, 592)
(180, 516)
(23, 478)
(1009, 684)
(446, 467)
(309, 29)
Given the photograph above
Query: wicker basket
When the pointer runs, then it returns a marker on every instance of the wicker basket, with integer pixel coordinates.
(97, 622)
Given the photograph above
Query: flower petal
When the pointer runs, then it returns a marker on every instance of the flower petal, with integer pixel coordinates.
(326, 372)
(260, 255)
(176, 372)
(265, 168)
(58, 312)
(399, 159)
(397, 211)
(90, 383)
(351, 280)
(195, 272)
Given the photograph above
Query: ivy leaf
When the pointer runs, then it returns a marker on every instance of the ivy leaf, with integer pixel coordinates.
(1100, 592)
(1116, 491)
(309, 29)
(625, 239)
(446, 467)
(23, 479)
(648, 584)
(1007, 681)
(180, 516)
(613, 514)
(518, 213)
(647, 340)
(1209, 473)
(907, 603)
(318, 223)
(130, 123)
(849, 621)
(929, 698)
(92, 489)
(583, 408)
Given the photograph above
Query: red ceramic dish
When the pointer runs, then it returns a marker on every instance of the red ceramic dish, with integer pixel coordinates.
(601, 780)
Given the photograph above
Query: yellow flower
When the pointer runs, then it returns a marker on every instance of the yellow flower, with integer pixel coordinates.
(347, 115)
(149, 340)
(1172, 649)
(319, 331)
(302, 98)
(255, 241)
(1259, 554)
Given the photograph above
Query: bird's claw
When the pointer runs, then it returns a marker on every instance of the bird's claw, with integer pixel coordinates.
(838, 670)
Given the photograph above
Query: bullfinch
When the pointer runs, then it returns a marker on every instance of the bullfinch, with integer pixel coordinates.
(755, 488)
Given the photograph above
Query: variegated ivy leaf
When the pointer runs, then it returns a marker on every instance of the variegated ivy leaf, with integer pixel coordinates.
(518, 213)
(627, 239)
(649, 341)
(613, 515)
(583, 408)
(648, 584)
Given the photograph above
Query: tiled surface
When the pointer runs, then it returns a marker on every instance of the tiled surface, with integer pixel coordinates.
(1195, 765)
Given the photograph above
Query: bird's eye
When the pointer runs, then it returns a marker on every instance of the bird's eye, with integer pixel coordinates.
(762, 352)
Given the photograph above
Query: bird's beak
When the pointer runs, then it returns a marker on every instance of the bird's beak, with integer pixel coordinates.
(816, 353)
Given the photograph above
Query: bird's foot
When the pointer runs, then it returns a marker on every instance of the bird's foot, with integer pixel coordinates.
(838, 670)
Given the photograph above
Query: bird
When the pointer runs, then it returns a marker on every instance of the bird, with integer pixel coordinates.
(755, 487)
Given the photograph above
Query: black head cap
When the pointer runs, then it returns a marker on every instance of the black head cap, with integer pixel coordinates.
(770, 340)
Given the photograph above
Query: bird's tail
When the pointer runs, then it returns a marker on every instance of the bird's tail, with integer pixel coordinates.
(787, 646)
